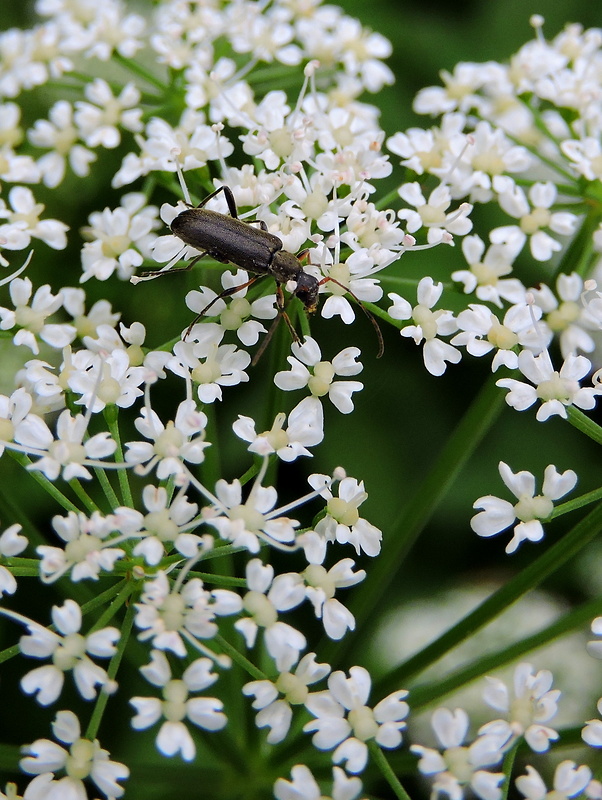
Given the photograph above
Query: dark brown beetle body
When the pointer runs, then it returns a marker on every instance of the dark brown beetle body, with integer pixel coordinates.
(230, 240)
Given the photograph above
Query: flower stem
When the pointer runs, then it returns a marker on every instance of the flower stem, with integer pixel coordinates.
(584, 424)
(460, 446)
(111, 416)
(380, 760)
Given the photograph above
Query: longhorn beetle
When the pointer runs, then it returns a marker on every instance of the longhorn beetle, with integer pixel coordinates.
(229, 239)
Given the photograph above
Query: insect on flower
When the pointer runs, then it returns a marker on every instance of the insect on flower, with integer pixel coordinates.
(229, 239)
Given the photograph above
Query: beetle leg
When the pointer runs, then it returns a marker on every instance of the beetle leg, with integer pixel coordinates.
(272, 329)
(226, 293)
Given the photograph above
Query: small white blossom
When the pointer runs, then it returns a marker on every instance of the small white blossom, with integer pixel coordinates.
(89, 548)
(459, 765)
(303, 786)
(534, 214)
(25, 214)
(170, 617)
(82, 759)
(177, 705)
(344, 721)
(273, 700)
(166, 525)
(498, 514)
(67, 453)
(569, 781)
(342, 522)
(307, 369)
(69, 651)
(554, 389)
(305, 429)
(429, 325)
(30, 318)
(180, 440)
(119, 239)
(534, 703)
(267, 596)
(236, 314)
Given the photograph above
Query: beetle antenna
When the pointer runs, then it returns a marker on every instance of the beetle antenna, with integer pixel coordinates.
(369, 314)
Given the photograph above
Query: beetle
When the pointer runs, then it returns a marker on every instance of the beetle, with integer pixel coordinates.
(228, 239)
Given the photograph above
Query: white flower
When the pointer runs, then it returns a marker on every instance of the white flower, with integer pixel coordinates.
(68, 451)
(31, 319)
(433, 213)
(82, 759)
(533, 214)
(486, 276)
(482, 331)
(59, 133)
(107, 381)
(305, 429)
(343, 720)
(320, 590)
(119, 238)
(569, 781)
(342, 522)
(25, 212)
(566, 314)
(182, 439)
(98, 120)
(534, 703)
(88, 548)
(498, 514)
(555, 389)
(165, 527)
(177, 705)
(273, 700)
(172, 616)
(319, 378)
(68, 649)
(304, 787)
(592, 733)
(235, 314)
(429, 325)
(266, 597)
(460, 765)
(252, 522)
(13, 410)
(209, 364)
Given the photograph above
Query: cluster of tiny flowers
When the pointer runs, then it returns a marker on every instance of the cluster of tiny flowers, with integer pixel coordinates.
(315, 158)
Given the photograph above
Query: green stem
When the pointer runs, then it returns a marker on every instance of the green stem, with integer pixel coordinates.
(83, 495)
(381, 762)
(108, 490)
(509, 759)
(103, 697)
(111, 416)
(458, 449)
(584, 424)
(38, 476)
(423, 695)
(579, 255)
(239, 659)
(137, 69)
(530, 577)
(578, 502)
